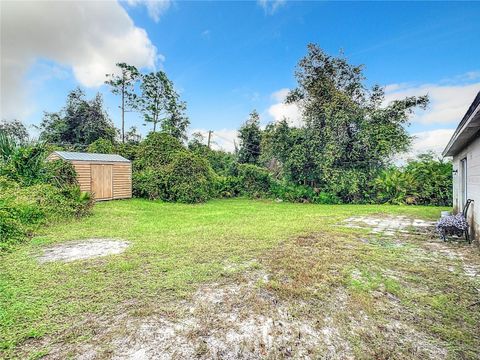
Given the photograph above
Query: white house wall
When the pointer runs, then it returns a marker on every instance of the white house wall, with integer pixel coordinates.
(472, 153)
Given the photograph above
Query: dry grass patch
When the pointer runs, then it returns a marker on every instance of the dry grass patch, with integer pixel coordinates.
(381, 300)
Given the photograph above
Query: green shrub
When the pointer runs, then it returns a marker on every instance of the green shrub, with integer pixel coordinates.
(433, 180)
(394, 186)
(190, 179)
(424, 181)
(187, 179)
(128, 150)
(24, 209)
(25, 164)
(7, 183)
(11, 228)
(227, 186)
(157, 150)
(301, 193)
(164, 169)
(8, 145)
(327, 198)
(35, 192)
(60, 173)
(150, 184)
(254, 181)
(102, 146)
(291, 192)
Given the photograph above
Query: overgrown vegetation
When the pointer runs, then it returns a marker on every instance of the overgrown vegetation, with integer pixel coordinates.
(425, 181)
(342, 151)
(34, 192)
(166, 170)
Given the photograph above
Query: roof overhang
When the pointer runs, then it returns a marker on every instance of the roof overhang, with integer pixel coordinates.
(466, 131)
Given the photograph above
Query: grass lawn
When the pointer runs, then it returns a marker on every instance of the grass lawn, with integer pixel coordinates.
(353, 293)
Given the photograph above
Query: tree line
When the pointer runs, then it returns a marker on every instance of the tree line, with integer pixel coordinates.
(344, 148)
(82, 121)
(349, 135)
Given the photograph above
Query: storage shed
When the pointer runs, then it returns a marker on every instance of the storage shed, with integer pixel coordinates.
(105, 176)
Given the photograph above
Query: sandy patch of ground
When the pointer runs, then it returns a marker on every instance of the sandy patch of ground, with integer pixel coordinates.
(461, 254)
(243, 320)
(237, 320)
(81, 250)
(387, 225)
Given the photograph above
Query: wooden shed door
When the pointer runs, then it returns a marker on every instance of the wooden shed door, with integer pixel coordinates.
(102, 182)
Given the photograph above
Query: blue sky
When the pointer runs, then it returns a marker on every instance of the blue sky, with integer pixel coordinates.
(227, 58)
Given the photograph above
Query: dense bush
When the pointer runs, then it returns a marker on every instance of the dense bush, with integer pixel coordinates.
(425, 181)
(60, 173)
(24, 209)
(227, 186)
(166, 170)
(433, 180)
(25, 164)
(190, 179)
(128, 150)
(150, 184)
(254, 181)
(301, 193)
(222, 163)
(105, 146)
(34, 192)
(394, 186)
(102, 146)
(157, 150)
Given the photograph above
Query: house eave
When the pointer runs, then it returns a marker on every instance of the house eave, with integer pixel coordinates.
(466, 131)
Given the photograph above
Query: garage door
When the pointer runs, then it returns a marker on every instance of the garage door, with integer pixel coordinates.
(102, 182)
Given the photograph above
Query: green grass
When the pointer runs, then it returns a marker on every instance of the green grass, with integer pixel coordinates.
(175, 247)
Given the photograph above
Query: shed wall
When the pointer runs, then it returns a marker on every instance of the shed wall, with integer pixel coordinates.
(122, 180)
(121, 176)
(472, 154)
(84, 177)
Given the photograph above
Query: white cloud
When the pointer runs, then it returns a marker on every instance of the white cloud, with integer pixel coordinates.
(433, 140)
(448, 103)
(271, 6)
(427, 141)
(84, 36)
(223, 139)
(280, 110)
(155, 8)
(280, 95)
(468, 76)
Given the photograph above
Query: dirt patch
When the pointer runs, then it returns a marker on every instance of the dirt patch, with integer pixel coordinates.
(81, 250)
(388, 225)
(223, 321)
(242, 319)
